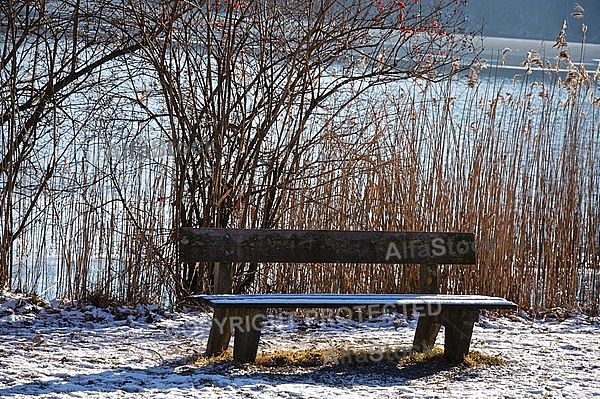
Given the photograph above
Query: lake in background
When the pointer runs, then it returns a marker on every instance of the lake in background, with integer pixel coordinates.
(588, 56)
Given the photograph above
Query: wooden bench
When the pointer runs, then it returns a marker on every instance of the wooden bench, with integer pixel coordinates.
(242, 315)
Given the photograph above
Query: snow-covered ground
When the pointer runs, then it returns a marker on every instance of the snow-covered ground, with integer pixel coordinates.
(54, 350)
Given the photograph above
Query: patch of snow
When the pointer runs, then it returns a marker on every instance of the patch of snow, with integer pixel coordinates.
(64, 350)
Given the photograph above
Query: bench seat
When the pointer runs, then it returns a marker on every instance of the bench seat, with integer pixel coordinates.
(244, 314)
(263, 301)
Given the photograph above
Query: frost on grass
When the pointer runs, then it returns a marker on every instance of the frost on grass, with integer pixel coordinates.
(65, 350)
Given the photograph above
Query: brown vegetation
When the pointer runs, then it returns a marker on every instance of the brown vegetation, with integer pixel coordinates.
(91, 200)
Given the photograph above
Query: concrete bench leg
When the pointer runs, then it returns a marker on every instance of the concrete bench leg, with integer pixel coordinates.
(426, 333)
(458, 324)
(247, 325)
(220, 332)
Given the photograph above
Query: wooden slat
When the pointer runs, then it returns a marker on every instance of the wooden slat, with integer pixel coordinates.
(306, 246)
(345, 300)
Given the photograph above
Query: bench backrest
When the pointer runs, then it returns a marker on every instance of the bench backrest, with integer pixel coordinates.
(325, 246)
(330, 246)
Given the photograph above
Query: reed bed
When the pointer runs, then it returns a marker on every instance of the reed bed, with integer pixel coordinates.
(518, 165)
(515, 161)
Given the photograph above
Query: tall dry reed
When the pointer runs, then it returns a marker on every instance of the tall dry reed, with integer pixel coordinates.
(515, 161)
